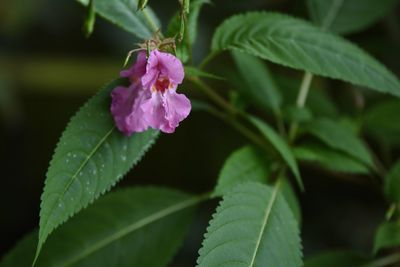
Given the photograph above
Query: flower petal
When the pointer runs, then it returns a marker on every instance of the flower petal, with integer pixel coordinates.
(164, 65)
(177, 108)
(126, 111)
(154, 112)
(165, 111)
(138, 69)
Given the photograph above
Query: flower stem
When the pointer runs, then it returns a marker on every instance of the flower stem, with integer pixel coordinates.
(300, 102)
(257, 140)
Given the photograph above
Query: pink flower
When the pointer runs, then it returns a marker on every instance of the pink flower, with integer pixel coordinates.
(151, 100)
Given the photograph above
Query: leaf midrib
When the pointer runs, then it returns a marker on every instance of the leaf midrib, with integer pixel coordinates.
(132, 227)
(75, 175)
(265, 220)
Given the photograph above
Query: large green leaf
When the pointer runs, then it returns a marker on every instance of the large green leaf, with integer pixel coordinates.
(339, 137)
(347, 16)
(90, 158)
(330, 159)
(392, 184)
(296, 43)
(246, 164)
(280, 145)
(124, 13)
(340, 258)
(258, 83)
(253, 226)
(387, 236)
(249, 164)
(380, 123)
(124, 228)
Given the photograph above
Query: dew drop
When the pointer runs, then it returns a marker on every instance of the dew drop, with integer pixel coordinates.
(123, 158)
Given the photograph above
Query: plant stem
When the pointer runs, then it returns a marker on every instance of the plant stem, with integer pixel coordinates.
(385, 261)
(300, 102)
(207, 59)
(214, 96)
(227, 118)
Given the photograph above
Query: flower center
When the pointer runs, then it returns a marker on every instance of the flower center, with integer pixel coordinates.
(161, 85)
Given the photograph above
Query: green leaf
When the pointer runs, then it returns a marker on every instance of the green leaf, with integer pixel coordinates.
(258, 83)
(392, 184)
(253, 226)
(296, 43)
(246, 164)
(124, 14)
(339, 137)
(280, 145)
(193, 18)
(90, 158)
(347, 16)
(22, 254)
(340, 258)
(90, 20)
(380, 123)
(387, 236)
(192, 71)
(249, 164)
(297, 114)
(123, 228)
(329, 159)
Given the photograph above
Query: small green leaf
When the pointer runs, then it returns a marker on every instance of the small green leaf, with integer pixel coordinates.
(392, 184)
(347, 16)
(90, 158)
(258, 83)
(192, 71)
(297, 114)
(249, 164)
(123, 228)
(330, 159)
(253, 226)
(124, 14)
(296, 43)
(339, 137)
(387, 236)
(340, 258)
(280, 145)
(380, 122)
(90, 20)
(246, 164)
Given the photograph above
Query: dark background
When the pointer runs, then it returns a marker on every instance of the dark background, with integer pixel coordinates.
(48, 69)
